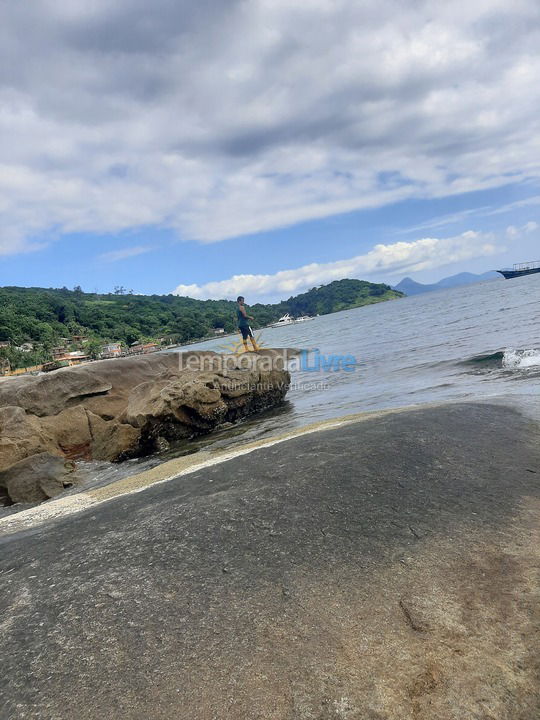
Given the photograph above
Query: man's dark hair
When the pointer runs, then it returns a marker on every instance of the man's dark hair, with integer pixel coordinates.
(239, 298)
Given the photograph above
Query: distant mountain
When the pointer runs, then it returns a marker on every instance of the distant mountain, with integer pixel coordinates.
(411, 287)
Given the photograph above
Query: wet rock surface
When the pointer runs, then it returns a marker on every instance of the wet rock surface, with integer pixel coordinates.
(122, 408)
(386, 569)
(37, 478)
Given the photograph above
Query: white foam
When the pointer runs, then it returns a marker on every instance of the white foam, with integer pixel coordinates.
(520, 359)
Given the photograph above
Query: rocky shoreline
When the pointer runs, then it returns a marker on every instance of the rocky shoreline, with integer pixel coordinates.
(123, 408)
(383, 569)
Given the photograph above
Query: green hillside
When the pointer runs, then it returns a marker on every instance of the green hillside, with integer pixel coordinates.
(44, 316)
(338, 295)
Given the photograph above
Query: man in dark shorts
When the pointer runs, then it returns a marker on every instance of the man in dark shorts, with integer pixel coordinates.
(243, 324)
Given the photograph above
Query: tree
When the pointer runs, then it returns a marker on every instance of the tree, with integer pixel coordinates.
(93, 348)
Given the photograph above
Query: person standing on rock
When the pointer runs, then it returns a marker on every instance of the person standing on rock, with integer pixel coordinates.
(243, 324)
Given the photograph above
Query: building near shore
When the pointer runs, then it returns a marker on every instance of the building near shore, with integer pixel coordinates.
(111, 350)
(138, 348)
(58, 352)
(73, 358)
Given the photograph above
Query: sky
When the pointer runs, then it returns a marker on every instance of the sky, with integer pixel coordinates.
(263, 147)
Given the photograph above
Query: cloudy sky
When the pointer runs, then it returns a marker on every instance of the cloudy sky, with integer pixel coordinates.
(265, 146)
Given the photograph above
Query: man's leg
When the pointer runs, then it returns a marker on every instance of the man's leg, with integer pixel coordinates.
(253, 342)
(244, 333)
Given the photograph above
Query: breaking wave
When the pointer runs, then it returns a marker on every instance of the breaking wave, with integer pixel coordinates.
(490, 360)
(509, 359)
(520, 359)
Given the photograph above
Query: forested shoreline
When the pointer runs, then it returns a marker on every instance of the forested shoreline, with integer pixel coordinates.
(43, 317)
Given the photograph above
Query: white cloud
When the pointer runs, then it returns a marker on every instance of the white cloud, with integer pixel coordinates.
(125, 253)
(224, 118)
(399, 257)
(513, 232)
(14, 243)
(457, 217)
(525, 202)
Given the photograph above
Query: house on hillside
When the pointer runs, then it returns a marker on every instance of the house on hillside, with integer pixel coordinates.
(111, 350)
(25, 347)
(79, 339)
(219, 331)
(58, 352)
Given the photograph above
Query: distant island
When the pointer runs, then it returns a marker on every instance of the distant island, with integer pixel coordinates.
(38, 325)
(411, 287)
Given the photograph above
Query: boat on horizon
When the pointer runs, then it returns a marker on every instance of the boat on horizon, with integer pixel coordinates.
(285, 320)
(520, 269)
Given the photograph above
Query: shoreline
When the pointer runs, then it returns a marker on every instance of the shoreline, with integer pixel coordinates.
(164, 472)
(168, 470)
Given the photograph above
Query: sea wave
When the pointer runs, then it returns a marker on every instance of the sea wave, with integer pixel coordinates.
(520, 359)
(494, 359)
(509, 359)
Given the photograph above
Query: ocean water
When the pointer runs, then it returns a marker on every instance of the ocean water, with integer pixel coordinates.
(477, 342)
(468, 343)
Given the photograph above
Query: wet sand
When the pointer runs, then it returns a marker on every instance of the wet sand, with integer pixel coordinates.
(386, 568)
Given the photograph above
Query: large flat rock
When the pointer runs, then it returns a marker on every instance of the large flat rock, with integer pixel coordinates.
(386, 569)
(118, 409)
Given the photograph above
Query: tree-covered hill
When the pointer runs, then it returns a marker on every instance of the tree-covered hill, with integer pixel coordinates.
(45, 316)
(338, 295)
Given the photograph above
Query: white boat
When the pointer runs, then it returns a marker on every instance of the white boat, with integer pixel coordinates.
(303, 318)
(285, 320)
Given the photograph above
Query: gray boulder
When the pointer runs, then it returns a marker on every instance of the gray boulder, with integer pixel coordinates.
(36, 478)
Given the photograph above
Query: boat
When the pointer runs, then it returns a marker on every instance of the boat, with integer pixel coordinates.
(520, 269)
(303, 318)
(285, 320)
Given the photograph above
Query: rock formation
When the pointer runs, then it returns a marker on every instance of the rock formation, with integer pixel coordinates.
(36, 478)
(121, 408)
